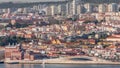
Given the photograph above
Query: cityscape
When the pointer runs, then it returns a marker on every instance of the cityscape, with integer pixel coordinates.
(83, 32)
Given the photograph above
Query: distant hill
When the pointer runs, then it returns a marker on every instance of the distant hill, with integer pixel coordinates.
(16, 5)
(101, 1)
(28, 4)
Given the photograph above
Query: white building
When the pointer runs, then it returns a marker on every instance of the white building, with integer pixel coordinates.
(54, 9)
(62, 9)
(102, 8)
(68, 8)
(35, 7)
(88, 7)
(74, 8)
(20, 10)
(113, 7)
(48, 10)
(71, 7)
(80, 9)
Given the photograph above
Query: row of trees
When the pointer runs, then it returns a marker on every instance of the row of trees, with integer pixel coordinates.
(10, 39)
(18, 25)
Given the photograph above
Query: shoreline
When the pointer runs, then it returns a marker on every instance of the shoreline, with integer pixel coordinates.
(66, 60)
(69, 63)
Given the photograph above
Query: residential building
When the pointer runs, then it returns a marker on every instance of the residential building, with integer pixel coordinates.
(113, 7)
(102, 8)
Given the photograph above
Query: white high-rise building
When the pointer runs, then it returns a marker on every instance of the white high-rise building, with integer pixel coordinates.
(71, 7)
(59, 8)
(113, 7)
(74, 7)
(68, 8)
(62, 9)
(88, 7)
(35, 7)
(20, 10)
(25, 10)
(48, 10)
(40, 7)
(80, 9)
(102, 8)
(54, 9)
(8, 10)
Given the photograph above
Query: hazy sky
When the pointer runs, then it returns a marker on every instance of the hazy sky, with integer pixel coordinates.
(27, 0)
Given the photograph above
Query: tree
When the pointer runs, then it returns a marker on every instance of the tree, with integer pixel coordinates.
(10, 39)
(18, 25)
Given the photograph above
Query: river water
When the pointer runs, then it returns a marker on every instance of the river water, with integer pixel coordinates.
(56, 66)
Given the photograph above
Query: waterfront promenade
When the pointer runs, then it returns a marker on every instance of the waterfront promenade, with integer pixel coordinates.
(66, 60)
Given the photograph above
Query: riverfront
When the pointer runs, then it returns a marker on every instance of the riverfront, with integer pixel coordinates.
(81, 60)
(56, 66)
(60, 32)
